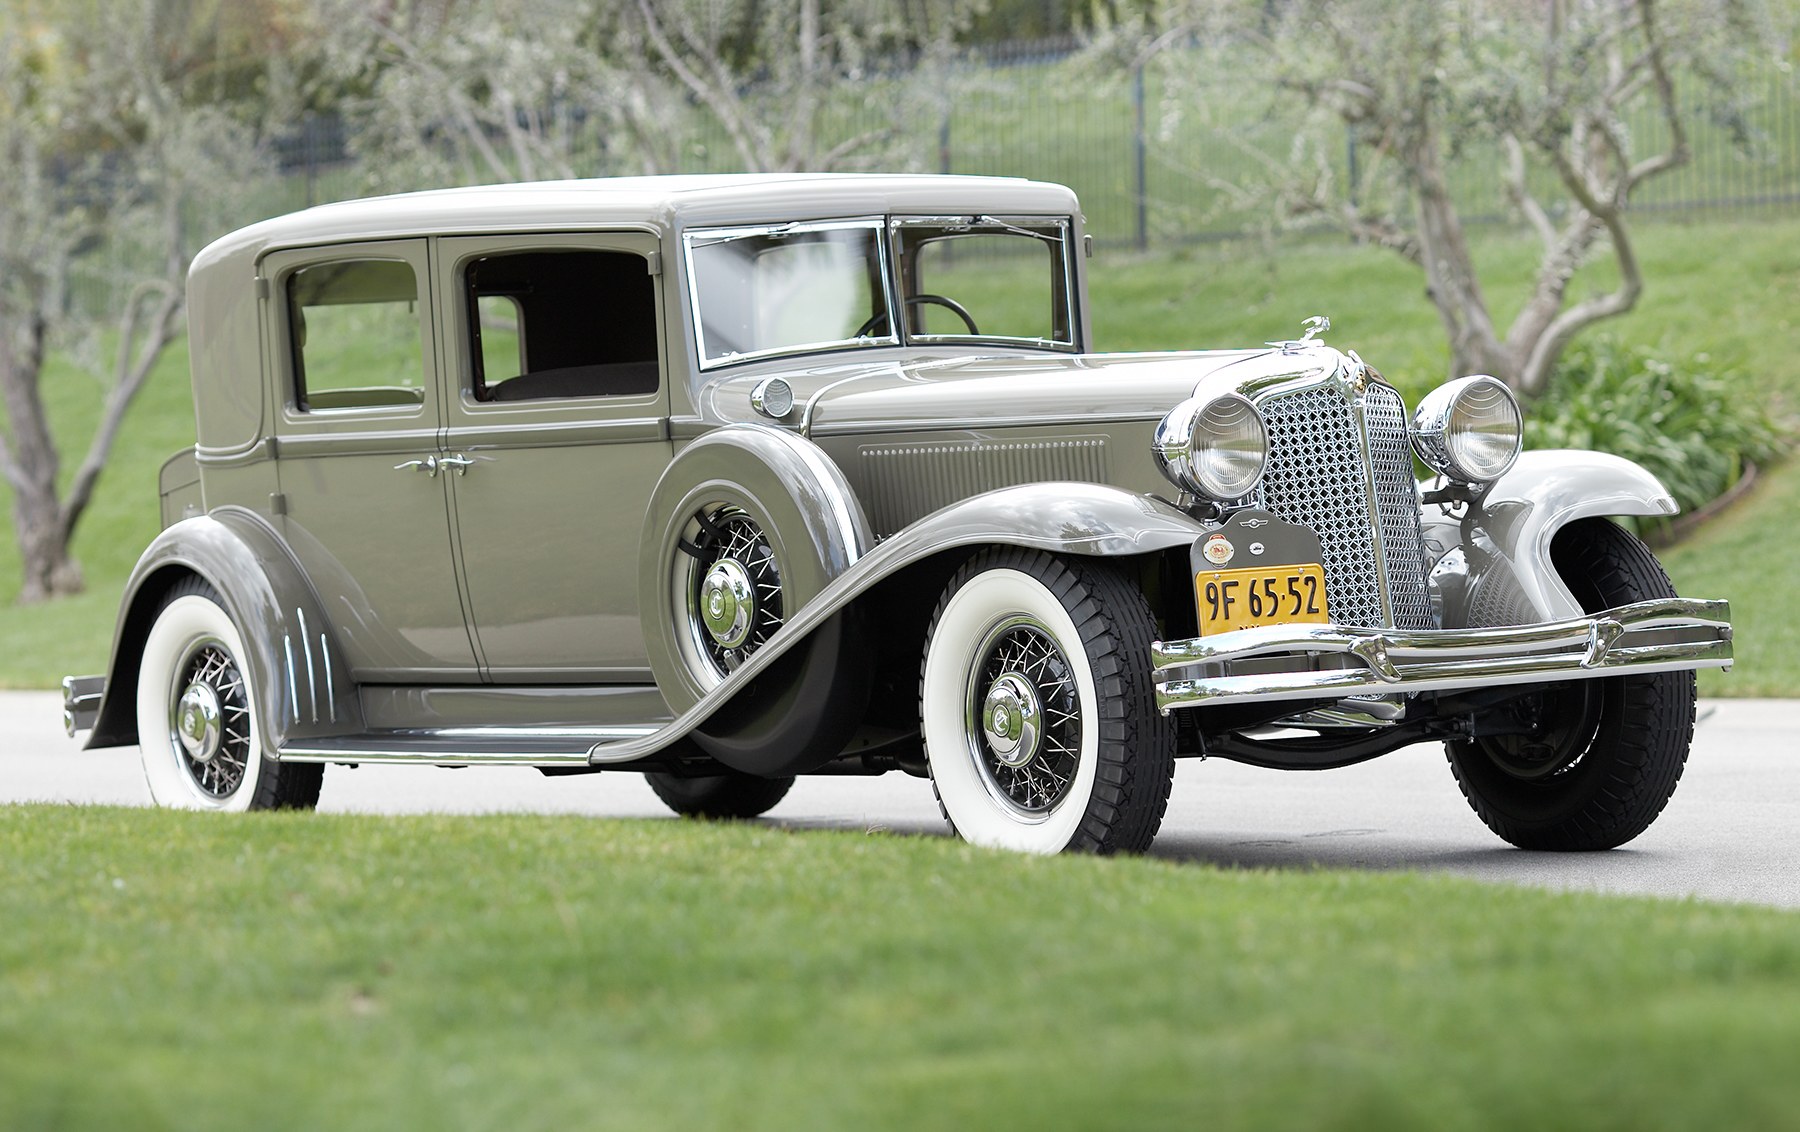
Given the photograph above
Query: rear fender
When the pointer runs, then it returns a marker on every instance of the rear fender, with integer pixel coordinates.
(303, 683)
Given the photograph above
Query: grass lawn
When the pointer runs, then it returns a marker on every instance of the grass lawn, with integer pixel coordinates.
(1729, 286)
(333, 971)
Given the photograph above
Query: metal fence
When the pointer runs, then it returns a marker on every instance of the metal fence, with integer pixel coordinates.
(1151, 161)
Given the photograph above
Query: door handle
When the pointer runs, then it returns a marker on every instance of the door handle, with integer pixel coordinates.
(429, 465)
(457, 461)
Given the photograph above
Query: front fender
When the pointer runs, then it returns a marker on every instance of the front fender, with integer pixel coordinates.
(302, 681)
(1497, 569)
(1063, 518)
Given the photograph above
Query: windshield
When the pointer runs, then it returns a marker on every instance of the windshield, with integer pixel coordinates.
(991, 278)
(786, 288)
(777, 289)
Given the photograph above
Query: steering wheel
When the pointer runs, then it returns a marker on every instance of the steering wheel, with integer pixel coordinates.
(880, 317)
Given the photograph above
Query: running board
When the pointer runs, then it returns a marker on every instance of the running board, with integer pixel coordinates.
(467, 746)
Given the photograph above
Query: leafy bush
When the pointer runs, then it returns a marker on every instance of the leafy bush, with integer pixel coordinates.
(1694, 422)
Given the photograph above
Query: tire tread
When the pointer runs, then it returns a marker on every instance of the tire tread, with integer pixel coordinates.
(1646, 730)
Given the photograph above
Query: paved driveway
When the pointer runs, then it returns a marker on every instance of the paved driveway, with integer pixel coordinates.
(1732, 831)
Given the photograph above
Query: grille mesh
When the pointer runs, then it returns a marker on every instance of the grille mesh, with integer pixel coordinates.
(1397, 502)
(1316, 476)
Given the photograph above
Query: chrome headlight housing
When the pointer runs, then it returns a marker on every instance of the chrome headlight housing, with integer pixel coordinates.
(1469, 429)
(1214, 447)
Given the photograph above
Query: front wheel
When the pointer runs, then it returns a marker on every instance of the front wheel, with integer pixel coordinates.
(1037, 707)
(1600, 758)
(199, 729)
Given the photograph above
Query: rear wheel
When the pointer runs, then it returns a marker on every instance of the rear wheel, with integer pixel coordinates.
(1601, 757)
(199, 729)
(728, 795)
(1038, 713)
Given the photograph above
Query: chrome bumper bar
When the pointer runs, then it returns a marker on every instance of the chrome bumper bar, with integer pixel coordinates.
(1304, 662)
(81, 702)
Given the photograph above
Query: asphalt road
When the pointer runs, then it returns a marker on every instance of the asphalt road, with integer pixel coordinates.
(1731, 833)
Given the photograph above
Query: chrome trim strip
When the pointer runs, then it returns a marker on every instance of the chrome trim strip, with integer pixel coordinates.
(312, 677)
(330, 688)
(467, 746)
(590, 734)
(301, 753)
(1395, 661)
(287, 645)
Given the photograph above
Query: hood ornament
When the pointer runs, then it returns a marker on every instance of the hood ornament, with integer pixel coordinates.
(1312, 327)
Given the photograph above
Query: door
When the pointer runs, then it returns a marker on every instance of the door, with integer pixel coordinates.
(358, 429)
(556, 413)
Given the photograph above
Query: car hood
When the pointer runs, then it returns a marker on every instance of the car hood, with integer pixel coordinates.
(917, 391)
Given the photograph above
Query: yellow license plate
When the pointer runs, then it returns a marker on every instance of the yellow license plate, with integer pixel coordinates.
(1262, 595)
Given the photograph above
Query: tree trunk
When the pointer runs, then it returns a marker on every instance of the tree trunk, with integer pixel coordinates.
(29, 459)
(1450, 273)
(48, 569)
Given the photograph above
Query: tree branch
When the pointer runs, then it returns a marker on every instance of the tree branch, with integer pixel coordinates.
(724, 108)
(1565, 326)
(131, 375)
(1520, 194)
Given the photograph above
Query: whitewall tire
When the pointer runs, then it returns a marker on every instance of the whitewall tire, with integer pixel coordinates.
(199, 727)
(1037, 709)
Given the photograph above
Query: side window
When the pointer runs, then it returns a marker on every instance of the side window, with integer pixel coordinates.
(355, 328)
(500, 327)
(561, 324)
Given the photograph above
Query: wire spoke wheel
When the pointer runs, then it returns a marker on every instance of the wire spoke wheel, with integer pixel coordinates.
(731, 589)
(1024, 716)
(210, 724)
(198, 729)
(1037, 709)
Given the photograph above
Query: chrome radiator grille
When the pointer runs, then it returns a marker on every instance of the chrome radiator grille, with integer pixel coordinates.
(1317, 475)
(1397, 504)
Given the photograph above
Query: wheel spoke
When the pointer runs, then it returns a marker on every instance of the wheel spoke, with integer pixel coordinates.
(1026, 651)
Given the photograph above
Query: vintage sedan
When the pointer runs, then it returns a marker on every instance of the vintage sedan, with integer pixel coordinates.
(726, 480)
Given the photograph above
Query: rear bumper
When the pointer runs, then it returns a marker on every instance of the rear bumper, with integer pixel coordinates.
(81, 702)
(1304, 662)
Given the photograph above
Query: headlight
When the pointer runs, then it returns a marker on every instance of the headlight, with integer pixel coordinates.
(1213, 447)
(1468, 429)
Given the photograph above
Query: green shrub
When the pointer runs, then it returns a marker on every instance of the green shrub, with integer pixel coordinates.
(1694, 422)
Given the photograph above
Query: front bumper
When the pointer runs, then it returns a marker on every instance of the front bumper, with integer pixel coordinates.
(1308, 662)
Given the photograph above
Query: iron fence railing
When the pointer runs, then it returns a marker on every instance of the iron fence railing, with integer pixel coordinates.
(1153, 163)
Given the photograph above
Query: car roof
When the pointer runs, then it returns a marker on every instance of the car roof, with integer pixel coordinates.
(659, 203)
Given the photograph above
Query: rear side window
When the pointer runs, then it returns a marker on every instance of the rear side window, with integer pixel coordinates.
(355, 335)
(561, 323)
